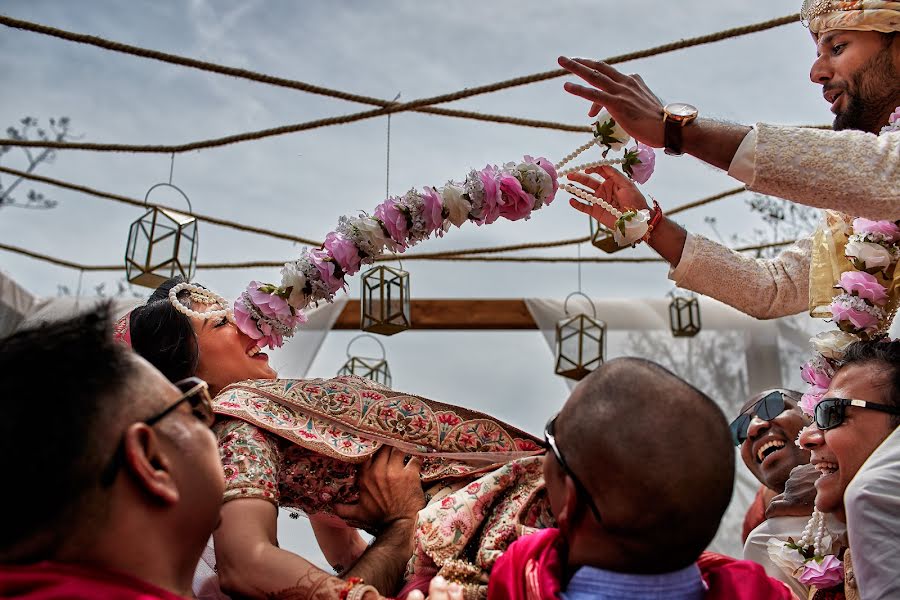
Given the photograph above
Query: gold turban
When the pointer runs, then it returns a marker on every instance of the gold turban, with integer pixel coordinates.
(822, 16)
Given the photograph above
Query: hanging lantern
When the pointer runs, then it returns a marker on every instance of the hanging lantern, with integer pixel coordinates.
(602, 237)
(375, 369)
(580, 342)
(384, 304)
(161, 244)
(684, 315)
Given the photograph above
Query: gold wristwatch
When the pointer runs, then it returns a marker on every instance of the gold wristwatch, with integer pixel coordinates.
(676, 115)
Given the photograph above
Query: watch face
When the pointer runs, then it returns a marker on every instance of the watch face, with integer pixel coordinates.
(681, 109)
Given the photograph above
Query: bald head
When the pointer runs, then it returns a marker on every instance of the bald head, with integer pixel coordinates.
(655, 454)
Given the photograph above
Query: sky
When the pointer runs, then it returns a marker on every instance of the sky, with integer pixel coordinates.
(302, 183)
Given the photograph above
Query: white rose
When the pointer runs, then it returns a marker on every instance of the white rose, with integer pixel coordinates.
(786, 559)
(457, 206)
(873, 256)
(635, 225)
(832, 344)
(616, 132)
(371, 232)
(535, 181)
(292, 277)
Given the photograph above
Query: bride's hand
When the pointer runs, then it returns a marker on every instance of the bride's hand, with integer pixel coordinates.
(614, 187)
(439, 589)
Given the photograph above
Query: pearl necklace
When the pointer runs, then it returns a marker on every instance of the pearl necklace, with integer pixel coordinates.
(200, 295)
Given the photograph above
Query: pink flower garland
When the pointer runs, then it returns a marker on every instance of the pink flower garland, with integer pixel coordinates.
(269, 313)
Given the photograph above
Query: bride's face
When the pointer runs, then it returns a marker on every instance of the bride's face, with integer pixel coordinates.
(227, 355)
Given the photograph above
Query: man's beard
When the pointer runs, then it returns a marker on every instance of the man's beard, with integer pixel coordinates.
(876, 85)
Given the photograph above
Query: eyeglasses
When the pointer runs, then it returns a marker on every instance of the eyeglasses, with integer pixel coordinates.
(830, 411)
(550, 440)
(766, 408)
(194, 391)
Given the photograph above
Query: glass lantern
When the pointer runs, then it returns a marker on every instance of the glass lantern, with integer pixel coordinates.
(375, 369)
(602, 237)
(384, 303)
(161, 244)
(684, 315)
(580, 342)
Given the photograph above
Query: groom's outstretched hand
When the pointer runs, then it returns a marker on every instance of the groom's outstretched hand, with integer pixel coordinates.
(629, 101)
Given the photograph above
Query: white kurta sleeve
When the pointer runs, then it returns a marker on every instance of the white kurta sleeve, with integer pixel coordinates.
(853, 172)
(761, 288)
(873, 521)
(743, 163)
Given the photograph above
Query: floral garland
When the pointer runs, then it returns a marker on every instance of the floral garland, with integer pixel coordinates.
(873, 249)
(268, 313)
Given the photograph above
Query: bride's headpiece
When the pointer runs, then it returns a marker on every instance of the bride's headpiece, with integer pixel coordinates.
(199, 295)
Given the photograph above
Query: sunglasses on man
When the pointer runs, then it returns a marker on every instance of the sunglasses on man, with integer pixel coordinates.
(766, 408)
(195, 392)
(830, 412)
(550, 442)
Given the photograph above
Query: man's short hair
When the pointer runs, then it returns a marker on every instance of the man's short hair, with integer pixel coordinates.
(61, 388)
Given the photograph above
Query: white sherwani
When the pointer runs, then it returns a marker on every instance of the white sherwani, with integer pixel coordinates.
(849, 171)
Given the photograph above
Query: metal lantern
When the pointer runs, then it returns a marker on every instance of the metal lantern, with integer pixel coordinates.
(375, 369)
(161, 244)
(684, 316)
(602, 237)
(384, 305)
(580, 342)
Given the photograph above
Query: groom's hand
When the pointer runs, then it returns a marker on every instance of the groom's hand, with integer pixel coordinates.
(390, 489)
(627, 98)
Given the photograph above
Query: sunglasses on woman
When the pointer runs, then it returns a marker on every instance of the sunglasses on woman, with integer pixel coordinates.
(830, 411)
(766, 408)
(195, 392)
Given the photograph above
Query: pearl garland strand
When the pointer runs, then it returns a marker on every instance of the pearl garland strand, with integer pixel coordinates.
(577, 151)
(198, 292)
(592, 199)
(589, 165)
(814, 534)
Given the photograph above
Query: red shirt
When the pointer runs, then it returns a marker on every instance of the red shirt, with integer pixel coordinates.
(55, 581)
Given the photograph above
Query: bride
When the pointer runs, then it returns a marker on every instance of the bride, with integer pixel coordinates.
(342, 451)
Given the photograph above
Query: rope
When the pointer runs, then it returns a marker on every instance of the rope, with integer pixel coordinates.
(270, 264)
(422, 104)
(142, 204)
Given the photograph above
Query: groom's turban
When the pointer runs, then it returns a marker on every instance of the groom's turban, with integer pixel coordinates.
(859, 15)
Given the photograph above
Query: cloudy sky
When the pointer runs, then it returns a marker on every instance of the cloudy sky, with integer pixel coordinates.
(301, 183)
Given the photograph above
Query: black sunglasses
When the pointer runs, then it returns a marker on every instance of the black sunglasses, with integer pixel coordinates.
(766, 408)
(830, 411)
(194, 391)
(550, 440)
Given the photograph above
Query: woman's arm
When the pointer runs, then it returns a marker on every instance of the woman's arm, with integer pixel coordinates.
(341, 544)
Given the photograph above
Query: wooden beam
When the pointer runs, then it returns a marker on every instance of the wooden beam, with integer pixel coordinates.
(454, 314)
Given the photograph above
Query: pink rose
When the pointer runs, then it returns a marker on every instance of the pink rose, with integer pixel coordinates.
(814, 377)
(343, 251)
(863, 285)
(394, 220)
(825, 574)
(642, 171)
(432, 210)
(895, 116)
(246, 322)
(490, 208)
(888, 229)
(809, 400)
(859, 319)
(319, 259)
(517, 204)
(269, 304)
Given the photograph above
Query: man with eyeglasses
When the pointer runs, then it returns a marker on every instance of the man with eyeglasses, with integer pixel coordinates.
(855, 446)
(113, 479)
(639, 471)
(765, 431)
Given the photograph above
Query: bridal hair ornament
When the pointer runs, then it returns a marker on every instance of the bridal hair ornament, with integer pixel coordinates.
(268, 313)
(199, 295)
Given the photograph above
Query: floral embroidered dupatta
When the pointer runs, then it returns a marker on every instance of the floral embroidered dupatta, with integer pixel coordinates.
(484, 476)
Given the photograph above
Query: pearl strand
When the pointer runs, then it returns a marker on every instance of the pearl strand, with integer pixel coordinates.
(571, 156)
(202, 316)
(596, 163)
(592, 199)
